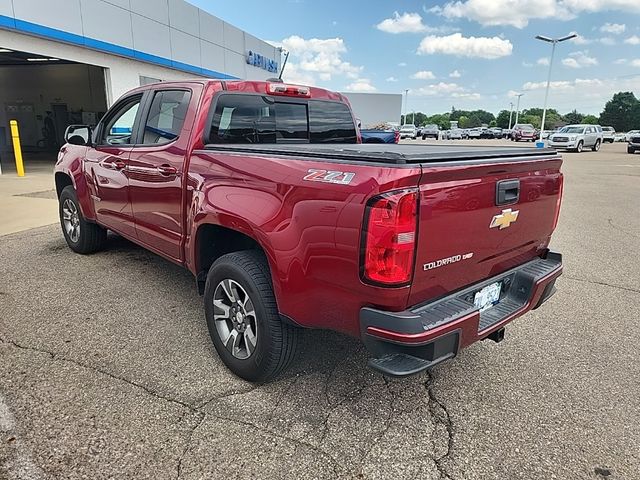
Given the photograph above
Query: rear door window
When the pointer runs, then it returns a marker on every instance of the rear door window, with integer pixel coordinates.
(166, 116)
(262, 119)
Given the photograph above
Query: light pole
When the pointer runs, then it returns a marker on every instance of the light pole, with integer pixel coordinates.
(518, 107)
(553, 42)
(510, 114)
(406, 102)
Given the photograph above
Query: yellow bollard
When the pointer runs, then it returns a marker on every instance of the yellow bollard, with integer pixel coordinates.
(17, 151)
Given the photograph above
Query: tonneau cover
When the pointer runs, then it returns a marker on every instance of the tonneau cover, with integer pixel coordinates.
(389, 153)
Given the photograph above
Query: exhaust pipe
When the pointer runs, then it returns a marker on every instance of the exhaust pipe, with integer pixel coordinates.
(497, 336)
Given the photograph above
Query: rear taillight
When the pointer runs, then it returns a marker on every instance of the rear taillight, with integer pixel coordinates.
(389, 238)
(288, 90)
(558, 201)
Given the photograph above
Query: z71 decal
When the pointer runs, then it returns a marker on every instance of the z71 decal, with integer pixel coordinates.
(329, 176)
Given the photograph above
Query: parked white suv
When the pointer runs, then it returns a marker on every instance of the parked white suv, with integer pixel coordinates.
(577, 137)
(608, 134)
(408, 131)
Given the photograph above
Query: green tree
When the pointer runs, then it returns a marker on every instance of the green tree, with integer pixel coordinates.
(590, 119)
(619, 112)
(463, 121)
(573, 117)
(502, 120)
(474, 121)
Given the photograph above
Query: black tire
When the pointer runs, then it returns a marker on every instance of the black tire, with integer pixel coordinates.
(579, 147)
(631, 149)
(91, 237)
(596, 146)
(276, 342)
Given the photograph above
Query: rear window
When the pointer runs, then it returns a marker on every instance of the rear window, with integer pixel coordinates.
(261, 119)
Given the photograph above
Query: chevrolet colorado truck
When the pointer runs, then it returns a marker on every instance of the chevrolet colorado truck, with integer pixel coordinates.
(265, 193)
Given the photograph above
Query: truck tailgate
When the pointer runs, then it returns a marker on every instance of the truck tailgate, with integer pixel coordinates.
(467, 234)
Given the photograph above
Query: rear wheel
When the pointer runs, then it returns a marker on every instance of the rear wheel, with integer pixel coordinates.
(81, 236)
(596, 146)
(630, 149)
(579, 147)
(243, 319)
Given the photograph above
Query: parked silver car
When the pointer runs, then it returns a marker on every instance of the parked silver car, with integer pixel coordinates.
(577, 137)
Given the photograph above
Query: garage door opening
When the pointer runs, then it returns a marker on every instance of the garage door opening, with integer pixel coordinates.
(45, 95)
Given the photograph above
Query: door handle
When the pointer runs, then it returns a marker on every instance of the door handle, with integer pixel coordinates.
(115, 165)
(167, 170)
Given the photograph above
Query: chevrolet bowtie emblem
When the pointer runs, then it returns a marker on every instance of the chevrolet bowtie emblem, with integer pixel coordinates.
(504, 219)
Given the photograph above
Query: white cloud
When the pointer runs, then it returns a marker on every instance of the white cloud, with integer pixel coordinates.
(455, 74)
(402, 64)
(405, 23)
(392, 79)
(635, 63)
(456, 44)
(446, 90)
(313, 60)
(580, 40)
(518, 13)
(527, 64)
(615, 28)
(423, 75)
(579, 59)
(503, 12)
(410, 23)
(633, 40)
(544, 61)
(564, 85)
(607, 41)
(620, 61)
(361, 85)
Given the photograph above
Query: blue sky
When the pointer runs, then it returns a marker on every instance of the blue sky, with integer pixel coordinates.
(468, 53)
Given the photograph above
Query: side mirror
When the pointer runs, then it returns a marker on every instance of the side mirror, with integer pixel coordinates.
(78, 135)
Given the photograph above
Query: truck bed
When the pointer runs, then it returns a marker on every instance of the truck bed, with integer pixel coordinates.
(391, 153)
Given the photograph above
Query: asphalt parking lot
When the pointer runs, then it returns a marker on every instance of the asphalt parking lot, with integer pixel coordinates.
(107, 371)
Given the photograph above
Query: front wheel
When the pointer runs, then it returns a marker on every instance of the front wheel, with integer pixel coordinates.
(579, 147)
(81, 236)
(631, 149)
(243, 319)
(596, 146)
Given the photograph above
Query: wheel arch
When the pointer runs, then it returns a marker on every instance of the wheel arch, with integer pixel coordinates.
(211, 241)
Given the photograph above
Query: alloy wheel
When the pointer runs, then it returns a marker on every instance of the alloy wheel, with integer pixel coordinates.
(235, 319)
(71, 220)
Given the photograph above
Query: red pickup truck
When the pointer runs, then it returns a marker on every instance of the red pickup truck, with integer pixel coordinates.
(263, 191)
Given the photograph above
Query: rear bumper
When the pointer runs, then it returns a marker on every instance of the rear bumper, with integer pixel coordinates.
(407, 342)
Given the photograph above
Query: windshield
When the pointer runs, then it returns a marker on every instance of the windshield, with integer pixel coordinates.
(408, 127)
(525, 126)
(572, 130)
(608, 129)
(431, 127)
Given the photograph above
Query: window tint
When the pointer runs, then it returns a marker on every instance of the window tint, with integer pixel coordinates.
(166, 116)
(331, 122)
(119, 125)
(261, 119)
(291, 122)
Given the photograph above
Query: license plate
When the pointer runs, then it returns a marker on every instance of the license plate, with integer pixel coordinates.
(488, 296)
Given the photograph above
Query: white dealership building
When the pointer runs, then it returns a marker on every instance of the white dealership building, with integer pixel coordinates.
(66, 61)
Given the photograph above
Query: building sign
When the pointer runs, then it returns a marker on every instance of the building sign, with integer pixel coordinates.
(261, 61)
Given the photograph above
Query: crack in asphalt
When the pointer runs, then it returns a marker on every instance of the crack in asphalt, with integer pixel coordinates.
(604, 284)
(194, 409)
(445, 420)
(433, 403)
(620, 229)
(187, 448)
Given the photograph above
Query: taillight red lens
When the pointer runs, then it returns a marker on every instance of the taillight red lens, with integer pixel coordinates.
(390, 237)
(558, 201)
